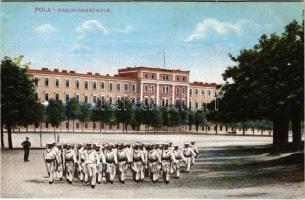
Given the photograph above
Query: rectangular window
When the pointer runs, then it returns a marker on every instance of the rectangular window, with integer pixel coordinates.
(67, 83)
(134, 88)
(67, 125)
(77, 84)
(67, 97)
(191, 91)
(86, 98)
(86, 125)
(196, 91)
(57, 82)
(209, 92)
(102, 85)
(57, 96)
(202, 91)
(183, 90)
(36, 81)
(94, 99)
(86, 85)
(126, 87)
(118, 87)
(36, 95)
(152, 88)
(46, 82)
(94, 85)
(46, 96)
(110, 86)
(77, 98)
(146, 88)
(77, 125)
(196, 105)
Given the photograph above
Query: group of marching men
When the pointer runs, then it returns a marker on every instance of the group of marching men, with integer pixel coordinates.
(92, 163)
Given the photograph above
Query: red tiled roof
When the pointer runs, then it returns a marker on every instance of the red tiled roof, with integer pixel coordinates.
(203, 84)
(152, 69)
(73, 73)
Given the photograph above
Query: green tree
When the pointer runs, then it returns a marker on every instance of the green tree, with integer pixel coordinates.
(17, 96)
(97, 113)
(55, 112)
(267, 83)
(124, 113)
(199, 119)
(156, 118)
(84, 114)
(71, 111)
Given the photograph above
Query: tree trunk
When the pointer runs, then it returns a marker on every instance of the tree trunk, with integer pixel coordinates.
(54, 134)
(2, 136)
(216, 129)
(68, 125)
(83, 126)
(40, 135)
(280, 131)
(9, 137)
(73, 125)
(244, 131)
(296, 133)
(100, 126)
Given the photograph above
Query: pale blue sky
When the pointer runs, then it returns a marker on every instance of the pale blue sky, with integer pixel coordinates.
(195, 36)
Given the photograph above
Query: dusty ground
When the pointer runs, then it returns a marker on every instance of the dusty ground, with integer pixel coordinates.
(245, 169)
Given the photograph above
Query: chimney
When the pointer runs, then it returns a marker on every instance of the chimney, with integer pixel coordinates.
(97, 74)
(44, 69)
(89, 73)
(64, 71)
(72, 72)
(56, 70)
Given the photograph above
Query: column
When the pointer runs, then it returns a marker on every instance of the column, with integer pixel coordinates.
(141, 92)
(188, 96)
(173, 96)
(157, 91)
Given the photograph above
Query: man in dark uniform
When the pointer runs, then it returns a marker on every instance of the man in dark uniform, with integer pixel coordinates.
(26, 147)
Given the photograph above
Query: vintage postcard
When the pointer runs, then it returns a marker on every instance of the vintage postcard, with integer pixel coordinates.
(152, 100)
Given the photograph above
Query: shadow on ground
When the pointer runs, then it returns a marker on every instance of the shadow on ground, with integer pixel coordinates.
(247, 166)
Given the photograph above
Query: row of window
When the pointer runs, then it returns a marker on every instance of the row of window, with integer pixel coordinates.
(77, 96)
(164, 89)
(86, 84)
(209, 92)
(164, 77)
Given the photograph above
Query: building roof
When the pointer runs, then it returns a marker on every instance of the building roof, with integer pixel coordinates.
(73, 73)
(152, 69)
(202, 84)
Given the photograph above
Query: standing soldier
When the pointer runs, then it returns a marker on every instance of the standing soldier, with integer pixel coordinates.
(60, 162)
(84, 169)
(167, 157)
(50, 157)
(111, 162)
(101, 166)
(154, 161)
(70, 161)
(123, 160)
(138, 161)
(188, 154)
(195, 149)
(26, 147)
(92, 161)
(179, 157)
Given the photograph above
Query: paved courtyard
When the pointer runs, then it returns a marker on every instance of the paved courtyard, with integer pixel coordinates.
(228, 167)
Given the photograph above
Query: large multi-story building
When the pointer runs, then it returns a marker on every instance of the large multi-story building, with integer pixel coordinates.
(142, 84)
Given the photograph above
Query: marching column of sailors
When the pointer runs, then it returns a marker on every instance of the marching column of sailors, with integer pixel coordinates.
(91, 162)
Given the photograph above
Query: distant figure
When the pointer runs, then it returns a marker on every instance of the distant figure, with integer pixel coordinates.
(26, 147)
